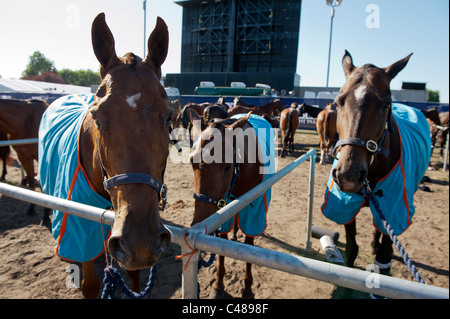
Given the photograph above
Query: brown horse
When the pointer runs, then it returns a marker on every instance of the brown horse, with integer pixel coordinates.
(20, 120)
(288, 126)
(214, 111)
(326, 127)
(213, 180)
(371, 150)
(443, 131)
(184, 120)
(311, 110)
(5, 155)
(266, 109)
(123, 147)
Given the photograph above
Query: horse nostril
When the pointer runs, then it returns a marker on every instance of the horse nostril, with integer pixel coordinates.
(118, 249)
(163, 243)
(362, 176)
(334, 174)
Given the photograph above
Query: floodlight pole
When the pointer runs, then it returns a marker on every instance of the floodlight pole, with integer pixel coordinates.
(333, 4)
(145, 20)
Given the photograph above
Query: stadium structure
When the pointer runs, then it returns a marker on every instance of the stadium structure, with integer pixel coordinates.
(249, 41)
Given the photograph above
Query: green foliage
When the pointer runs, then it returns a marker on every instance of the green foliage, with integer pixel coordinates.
(37, 65)
(433, 96)
(40, 68)
(80, 77)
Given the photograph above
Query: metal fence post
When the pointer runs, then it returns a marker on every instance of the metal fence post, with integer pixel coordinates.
(310, 201)
(189, 284)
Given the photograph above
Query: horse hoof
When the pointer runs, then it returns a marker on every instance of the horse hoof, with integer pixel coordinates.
(247, 293)
(46, 222)
(218, 294)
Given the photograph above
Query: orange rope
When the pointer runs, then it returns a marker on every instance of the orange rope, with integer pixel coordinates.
(193, 252)
(105, 244)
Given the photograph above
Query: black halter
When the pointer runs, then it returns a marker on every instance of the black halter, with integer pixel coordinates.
(370, 145)
(223, 201)
(133, 178)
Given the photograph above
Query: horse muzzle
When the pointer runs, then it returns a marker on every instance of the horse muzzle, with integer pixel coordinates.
(350, 174)
(136, 252)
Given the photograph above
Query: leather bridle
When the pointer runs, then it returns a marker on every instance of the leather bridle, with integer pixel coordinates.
(134, 178)
(222, 202)
(370, 145)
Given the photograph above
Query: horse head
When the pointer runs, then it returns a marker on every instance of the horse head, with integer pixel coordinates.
(363, 117)
(214, 162)
(129, 137)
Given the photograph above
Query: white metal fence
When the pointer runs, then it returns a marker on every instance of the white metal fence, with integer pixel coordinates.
(196, 238)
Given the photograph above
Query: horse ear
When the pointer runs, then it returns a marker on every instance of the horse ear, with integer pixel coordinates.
(103, 44)
(158, 46)
(241, 122)
(347, 64)
(394, 69)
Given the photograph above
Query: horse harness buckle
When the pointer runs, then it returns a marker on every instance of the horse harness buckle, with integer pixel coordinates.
(372, 146)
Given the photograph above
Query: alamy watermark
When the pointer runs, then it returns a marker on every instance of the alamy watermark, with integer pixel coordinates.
(227, 147)
(373, 280)
(373, 19)
(72, 16)
(74, 278)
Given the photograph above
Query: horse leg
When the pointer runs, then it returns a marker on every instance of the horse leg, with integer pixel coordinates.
(285, 140)
(90, 284)
(4, 170)
(291, 141)
(248, 279)
(28, 166)
(384, 255)
(322, 152)
(218, 286)
(134, 276)
(375, 243)
(351, 247)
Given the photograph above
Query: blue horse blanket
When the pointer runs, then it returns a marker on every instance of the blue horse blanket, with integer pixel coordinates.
(252, 218)
(61, 174)
(398, 187)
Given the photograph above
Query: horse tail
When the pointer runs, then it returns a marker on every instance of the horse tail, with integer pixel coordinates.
(326, 124)
(289, 123)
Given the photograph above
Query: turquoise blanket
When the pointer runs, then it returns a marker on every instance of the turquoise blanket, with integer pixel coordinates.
(398, 187)
(61, 174)
(252, 218)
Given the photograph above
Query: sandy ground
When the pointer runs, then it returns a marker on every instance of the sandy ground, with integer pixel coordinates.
(30, 269)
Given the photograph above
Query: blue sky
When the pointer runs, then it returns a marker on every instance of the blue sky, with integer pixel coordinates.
(61, 31)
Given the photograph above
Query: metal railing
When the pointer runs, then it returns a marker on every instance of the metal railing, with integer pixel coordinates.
(196, 238)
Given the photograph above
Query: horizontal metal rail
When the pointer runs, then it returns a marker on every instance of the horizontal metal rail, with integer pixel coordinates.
(225, 213)
(19, 142)
(323, 271)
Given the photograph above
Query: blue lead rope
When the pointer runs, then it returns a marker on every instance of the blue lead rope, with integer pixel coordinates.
(412, 268)
(113, 280)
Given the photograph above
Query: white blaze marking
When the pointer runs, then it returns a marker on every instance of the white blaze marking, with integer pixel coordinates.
(131, 100)
(359, 93)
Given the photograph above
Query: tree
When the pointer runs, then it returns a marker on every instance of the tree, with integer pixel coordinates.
(37, 65)
(433, 96)
(47, 76)
(80, 77)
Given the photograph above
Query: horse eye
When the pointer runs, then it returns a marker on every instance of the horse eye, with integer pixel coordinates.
(97, 123)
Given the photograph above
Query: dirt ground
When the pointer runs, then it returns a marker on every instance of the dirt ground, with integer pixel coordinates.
(30, 269)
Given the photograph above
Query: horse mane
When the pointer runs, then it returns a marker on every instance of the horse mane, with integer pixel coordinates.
(131, 60)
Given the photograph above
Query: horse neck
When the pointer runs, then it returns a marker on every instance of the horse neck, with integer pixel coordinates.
(88, 155)
(248, 171)
(383, 165)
